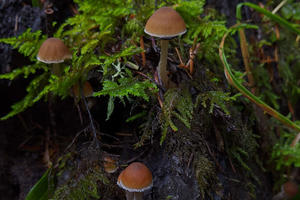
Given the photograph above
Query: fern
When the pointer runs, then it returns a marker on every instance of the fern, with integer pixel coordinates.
(125, 87)
(27, 43)
(284, 154)
(215, 98)
(109, 60)
(26, 71)
(178, 103)
(87, 33)
(34, 93)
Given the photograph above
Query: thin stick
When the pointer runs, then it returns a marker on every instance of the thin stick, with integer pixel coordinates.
(143, 52)
(279, 6)
(91, 119)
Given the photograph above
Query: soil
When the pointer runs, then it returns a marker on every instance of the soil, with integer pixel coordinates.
(177, 165)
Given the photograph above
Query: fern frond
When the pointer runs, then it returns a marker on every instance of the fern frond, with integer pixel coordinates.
(126, 86)
(215, 98)
(35, 93)
(27, 43)
(109, 60)
(26, 71)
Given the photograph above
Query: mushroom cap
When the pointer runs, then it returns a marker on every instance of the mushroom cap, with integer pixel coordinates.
(87, 90)
(135, 178)
(109, 165)
(165, 23)
(53, 50)
(290, 188)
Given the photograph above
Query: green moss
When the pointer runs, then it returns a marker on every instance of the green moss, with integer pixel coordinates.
(205, 173)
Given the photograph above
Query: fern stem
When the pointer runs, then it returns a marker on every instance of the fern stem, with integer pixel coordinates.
(162, 67)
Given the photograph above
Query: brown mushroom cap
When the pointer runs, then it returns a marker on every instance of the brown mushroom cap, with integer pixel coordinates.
(290, 188)
(135, 178)
(109, 165)
(87, 90)
(53, 50)
(165, 23)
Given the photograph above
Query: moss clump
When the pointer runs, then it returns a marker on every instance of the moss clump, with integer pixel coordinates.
(205, 173)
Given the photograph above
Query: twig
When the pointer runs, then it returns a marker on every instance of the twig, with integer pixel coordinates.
(150, 79)
(79, 111)
(143, 52)
(245, 54)
(211, 154)
(136, 157)
(95, 140)
(76, 136)
(16, 24)
(23, 122)
(279, 6)
(189, 163)
(296, 140)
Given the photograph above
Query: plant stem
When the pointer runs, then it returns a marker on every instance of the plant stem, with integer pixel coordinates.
(162, 67)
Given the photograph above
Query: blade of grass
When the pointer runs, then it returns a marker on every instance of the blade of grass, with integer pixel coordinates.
(233, 81)
(267, 13)
(40, 190)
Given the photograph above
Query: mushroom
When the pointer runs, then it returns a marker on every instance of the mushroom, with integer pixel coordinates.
(87, 90)
(135, 179)
(165, 23)
(109, 165)
(288, 191)
(54, 51)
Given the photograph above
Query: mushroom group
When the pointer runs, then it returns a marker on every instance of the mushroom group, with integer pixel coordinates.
(165, 23)
(135, 179)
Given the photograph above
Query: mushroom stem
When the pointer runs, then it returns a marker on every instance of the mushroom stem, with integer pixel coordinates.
(138, 196)
(280, 196)
(56, 69)
(162, 67)
(134, 195)
(129, 195)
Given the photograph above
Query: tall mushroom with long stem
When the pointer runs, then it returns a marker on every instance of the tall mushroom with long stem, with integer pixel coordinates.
(53, 51)
(165, 23)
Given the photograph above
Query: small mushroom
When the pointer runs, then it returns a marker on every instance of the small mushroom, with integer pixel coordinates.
(87, 90)
(135, 179)
(165, 23)
(54, 51)
(288, 191)
(109, 165)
